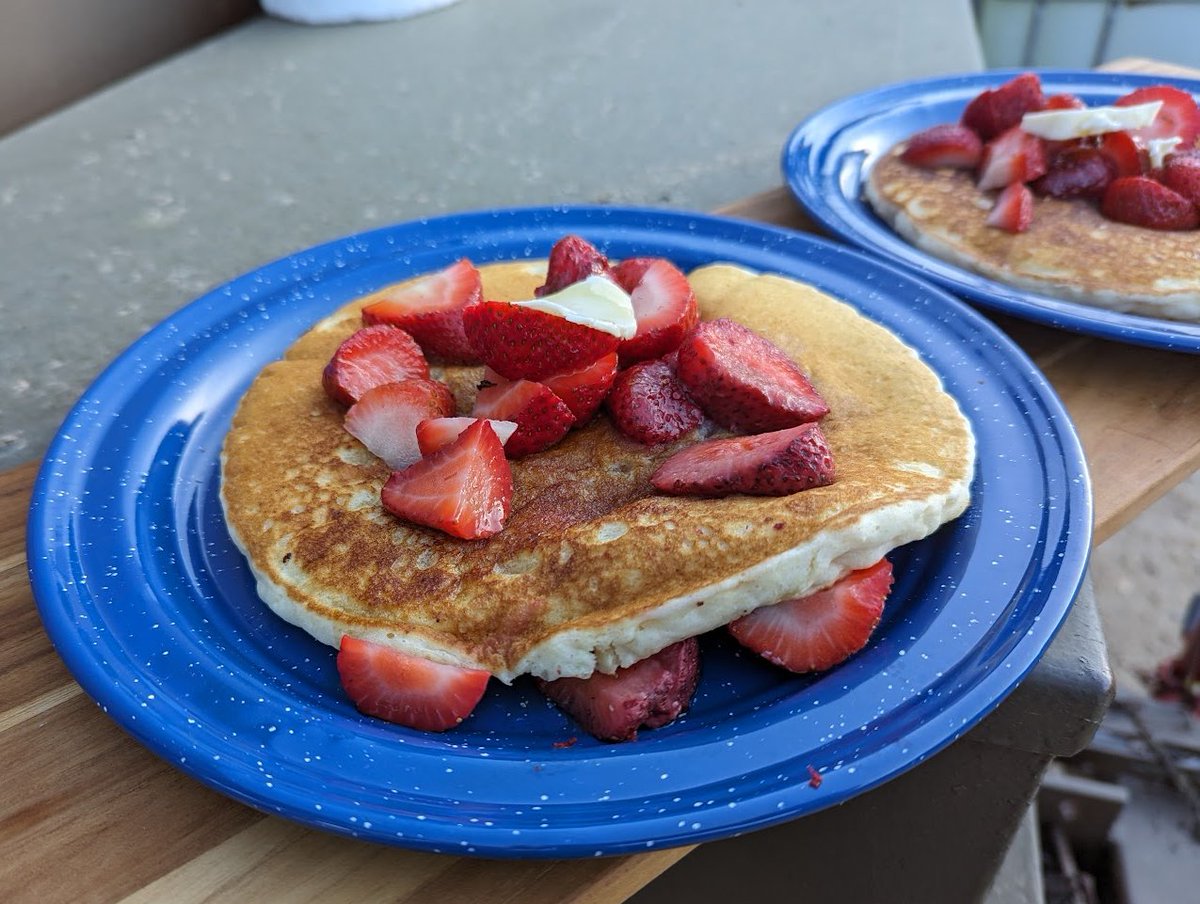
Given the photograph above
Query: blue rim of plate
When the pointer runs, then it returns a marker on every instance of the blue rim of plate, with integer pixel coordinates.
(826, 156)
(154, 611)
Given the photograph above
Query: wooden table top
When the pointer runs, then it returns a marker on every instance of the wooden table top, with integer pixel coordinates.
(89, 814)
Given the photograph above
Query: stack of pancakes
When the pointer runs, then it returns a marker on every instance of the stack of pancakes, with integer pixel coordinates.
(594, 569)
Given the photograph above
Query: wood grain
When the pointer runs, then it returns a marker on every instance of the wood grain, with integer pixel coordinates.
(88, 814)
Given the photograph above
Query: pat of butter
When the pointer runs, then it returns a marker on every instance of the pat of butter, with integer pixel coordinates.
(1060, 125)
(1158, 148)
(596, 301)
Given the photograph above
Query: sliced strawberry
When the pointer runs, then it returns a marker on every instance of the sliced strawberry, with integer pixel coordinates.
(438, 432)
(410, 691)
(1141, 201)
(1013, 210)
(1179, 115)
(946, 145)
(1014, 156)
(542, 418)
(385, 418)
(1064, 102)
(1181, 173)
(1122, 154)
(1081, 172)
(820, 630)
(1000, 109)
(743, 381)
(648, 693)
(371, 357)
(649, 404)
(571, 259)
(523, 344)
(663, 305)
(464, 489)
(583, 390)
(765, 464)
(430, 310)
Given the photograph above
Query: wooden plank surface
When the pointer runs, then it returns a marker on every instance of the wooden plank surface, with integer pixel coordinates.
(90, 815)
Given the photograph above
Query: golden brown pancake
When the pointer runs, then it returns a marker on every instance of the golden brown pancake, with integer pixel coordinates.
(593, 569)
(1069, 251)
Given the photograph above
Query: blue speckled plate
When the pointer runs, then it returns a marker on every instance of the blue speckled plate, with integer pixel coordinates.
(154, 610)
(827, 156)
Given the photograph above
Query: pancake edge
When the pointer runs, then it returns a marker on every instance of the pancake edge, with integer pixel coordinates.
(1184, 307)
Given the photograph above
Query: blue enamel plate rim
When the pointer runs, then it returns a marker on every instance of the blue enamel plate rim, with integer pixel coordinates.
(114, 476)
(825, 156)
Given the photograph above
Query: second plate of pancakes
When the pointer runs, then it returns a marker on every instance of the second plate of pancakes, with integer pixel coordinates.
(155, 611)
(826, 158)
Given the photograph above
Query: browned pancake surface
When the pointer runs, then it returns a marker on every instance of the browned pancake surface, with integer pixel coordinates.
(1069, 251)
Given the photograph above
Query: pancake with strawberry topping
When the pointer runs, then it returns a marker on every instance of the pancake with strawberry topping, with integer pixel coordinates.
(1069, 249)
(1098, 205)
(591, 567)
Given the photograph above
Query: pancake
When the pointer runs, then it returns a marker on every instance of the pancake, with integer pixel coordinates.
(1069, 251)
(593, 570)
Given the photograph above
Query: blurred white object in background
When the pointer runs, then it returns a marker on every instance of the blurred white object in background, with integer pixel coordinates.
(334, 12)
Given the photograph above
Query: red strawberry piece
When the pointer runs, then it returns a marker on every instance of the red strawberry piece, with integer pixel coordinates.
(1013, 210)
(430, 310)
(385, 418)
(1081, 172)
(572, 259)
(438, 432)
(663, 305)
(464, 489)
(744, 381)
(765, 464)
(542, 418)
(1064, 102)
(523, 344)
(820, 630)
(1141, 201)
(1015, 156)
(1179, 115)
(1000, 109)
(584, 389)
(946, 145)
(650, 693)
(649, 404)
(1181, 173)
(405, 689)
(1122, 154)
(371, 357)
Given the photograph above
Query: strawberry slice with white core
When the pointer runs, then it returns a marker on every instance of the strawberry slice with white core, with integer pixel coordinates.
(584, 389)
(371, 357)
(1179, 115)
(405, 689)
(430, 309)
(816, 632)
(385, 419)
(744, 381)
(434, 433)
(1013, 156)
(1013, 210)
(948, 145)
(464, 489)
(650, 693)
(664, 307)
(542, 418)
(765, 464)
